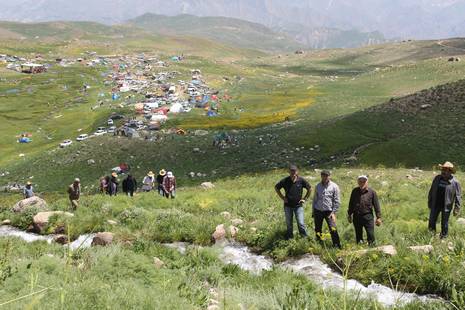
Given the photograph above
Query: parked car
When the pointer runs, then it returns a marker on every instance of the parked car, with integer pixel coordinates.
(100, 132)
(66, 143)
(82, 137)
(110, 122)
(112, 129)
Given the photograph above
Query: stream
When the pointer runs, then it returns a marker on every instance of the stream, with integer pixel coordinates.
(308, 265)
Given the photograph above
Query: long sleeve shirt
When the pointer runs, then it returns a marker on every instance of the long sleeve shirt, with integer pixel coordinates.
(327, 197)
(364, 201)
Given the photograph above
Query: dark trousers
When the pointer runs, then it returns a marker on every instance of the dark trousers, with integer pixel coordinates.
(433, 218)
(318, 217)
(130, 193)
(298, 212)
(366, 221)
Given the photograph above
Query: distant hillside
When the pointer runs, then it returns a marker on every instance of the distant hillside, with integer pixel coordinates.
(71, 38)
(231, 31)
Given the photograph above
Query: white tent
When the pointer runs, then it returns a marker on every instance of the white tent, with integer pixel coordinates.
(159, 118)
(176, 108)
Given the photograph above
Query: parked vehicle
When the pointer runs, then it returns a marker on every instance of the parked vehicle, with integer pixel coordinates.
(82, 137)
(110, 122)
(100, 132)
(66, 143)
(112, 129)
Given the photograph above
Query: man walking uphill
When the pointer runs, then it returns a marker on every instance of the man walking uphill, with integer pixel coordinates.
(326, 203)
(445, 193)
(363, 201)
(293, 202)
(74, 191)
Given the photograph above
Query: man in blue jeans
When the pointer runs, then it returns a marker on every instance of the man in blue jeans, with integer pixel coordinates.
(293, 186)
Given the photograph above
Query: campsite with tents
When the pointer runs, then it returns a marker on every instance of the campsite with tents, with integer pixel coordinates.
(227, 121)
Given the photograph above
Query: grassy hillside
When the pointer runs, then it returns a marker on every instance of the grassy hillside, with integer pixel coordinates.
(230, 31)
(147, 220)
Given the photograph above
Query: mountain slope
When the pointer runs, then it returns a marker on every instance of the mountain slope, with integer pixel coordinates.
(231, 31)
(394, 18)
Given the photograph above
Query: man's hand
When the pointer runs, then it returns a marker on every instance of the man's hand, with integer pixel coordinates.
(378, 222)
(456, 211)
(333, 217)
(350, 218)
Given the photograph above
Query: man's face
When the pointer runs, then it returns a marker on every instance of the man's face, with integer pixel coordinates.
(446, 173)
(362, 183)
(325, 178)
(293, 172)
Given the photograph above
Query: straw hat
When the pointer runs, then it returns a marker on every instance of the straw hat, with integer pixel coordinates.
(448, 165)
(28, 183)
(114, 174)
(162, 172)
(151, 174)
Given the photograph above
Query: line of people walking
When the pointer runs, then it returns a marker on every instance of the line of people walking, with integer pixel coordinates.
(364, 210)
(164, 183)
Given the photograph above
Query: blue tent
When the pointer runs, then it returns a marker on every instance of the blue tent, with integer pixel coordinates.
(115, 96)
(24, 140)
(211, 113)
(175, 58)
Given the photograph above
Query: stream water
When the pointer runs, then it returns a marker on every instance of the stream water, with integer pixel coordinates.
(308, 265)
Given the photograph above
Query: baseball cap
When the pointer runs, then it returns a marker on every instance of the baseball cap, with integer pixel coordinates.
(293, 168)
(325, 172)
(362, 177)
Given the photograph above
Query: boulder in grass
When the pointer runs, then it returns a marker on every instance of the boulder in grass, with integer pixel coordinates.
(422, 248)
(237, 222)
(233, 230)
(158, 263)
(207, 185)
(41, 219)
(33, 202)
(6, 222)
(219, 234)
(103, 239)
(61, 239)
(461, 221)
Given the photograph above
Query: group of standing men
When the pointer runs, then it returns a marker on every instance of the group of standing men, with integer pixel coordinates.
(364, 210)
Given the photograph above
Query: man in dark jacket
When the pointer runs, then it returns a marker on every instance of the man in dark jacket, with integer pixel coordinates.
(129, 185)
(363, 201)
(444, 196)
(293, 186)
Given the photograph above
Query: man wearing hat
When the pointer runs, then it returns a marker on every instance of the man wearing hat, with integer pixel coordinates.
(363, 201)
(169, 185)
(160, 177)
(326, 203)
(148, 182)
(28, 191)
(293, 186)
(444, 196)
(74, 192)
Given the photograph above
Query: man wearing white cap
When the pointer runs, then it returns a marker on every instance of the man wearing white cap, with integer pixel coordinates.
(363, 201)
(445, 193)
(169, 185)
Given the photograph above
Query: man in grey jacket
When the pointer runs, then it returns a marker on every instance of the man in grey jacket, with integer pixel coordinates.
(326, 203)
(445, 193)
